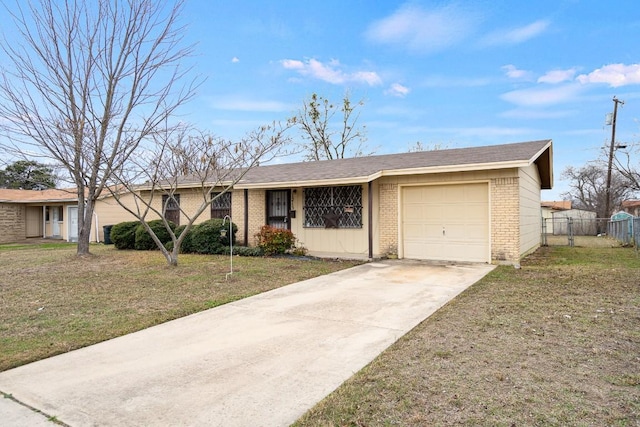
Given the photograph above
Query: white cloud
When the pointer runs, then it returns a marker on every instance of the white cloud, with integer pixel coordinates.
(421, 30)
(235, 59)
(515, 35)
(398, 90)
(558, 76)
(615, 75)
(534, 97)
(331, 72)
(515, 73)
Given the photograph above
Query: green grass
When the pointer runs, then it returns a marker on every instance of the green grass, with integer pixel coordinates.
(555, 343)
(51, 301)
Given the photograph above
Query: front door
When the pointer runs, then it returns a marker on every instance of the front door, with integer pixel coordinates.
(73, 224)
(278, 208)
(55, 221)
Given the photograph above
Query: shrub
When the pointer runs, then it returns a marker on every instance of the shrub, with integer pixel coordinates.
(123, 235)
(206, 238)
(144, 242)
(186, 246)
(244, 251)
(275, 240)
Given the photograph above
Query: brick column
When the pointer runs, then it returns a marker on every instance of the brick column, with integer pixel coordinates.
(505, 219)
(388, 213)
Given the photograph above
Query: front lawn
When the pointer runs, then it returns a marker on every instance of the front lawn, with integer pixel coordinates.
(52, 301)
(556, 343)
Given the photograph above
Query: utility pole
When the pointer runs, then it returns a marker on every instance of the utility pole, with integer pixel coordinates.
(612, 148)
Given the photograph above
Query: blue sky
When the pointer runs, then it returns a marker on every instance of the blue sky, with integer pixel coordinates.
(448, 74)
(453, 74)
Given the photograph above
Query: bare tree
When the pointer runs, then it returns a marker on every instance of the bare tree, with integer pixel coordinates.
(327, 137)
(588, 188)
(210, 166)
(89, 82)
(623, 164)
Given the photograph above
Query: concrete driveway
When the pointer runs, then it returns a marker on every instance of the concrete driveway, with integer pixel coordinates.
(261, 361)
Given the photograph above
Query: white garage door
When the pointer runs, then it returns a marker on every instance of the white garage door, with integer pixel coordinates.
(446, 222)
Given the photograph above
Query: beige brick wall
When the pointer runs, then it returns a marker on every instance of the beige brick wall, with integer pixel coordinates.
(505, 220)
(237, 214)
(257, 206)
(12, 222)
(388, 215)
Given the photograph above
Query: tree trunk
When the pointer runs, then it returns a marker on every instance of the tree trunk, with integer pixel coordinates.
(85, 214)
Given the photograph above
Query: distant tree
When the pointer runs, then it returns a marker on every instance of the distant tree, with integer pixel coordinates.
(588, 188)
(27, 175)
(419, 146)
(330, 131)
(87, 84)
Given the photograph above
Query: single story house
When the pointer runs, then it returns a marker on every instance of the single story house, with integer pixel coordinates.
(584, 223)
(632, 207)
(51, 213)
(548, 208)
(479, 204)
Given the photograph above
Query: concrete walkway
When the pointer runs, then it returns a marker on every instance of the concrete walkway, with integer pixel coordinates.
(261, 361)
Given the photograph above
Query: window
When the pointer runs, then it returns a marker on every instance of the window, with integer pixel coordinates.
(333, 207)
(221, 206)
(171, 207)
(56, 216)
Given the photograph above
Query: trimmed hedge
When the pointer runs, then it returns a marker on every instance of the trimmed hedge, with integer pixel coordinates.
(186, 246)
(123, 235)
(206, 238)
(203, 238)
(144, 242)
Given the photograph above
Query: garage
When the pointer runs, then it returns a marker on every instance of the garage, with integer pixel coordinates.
(446, 222)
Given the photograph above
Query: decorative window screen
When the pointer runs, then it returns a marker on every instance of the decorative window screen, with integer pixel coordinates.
(171, 205)
(221, 206)
(333, 207)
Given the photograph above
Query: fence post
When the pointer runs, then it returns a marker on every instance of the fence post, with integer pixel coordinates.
(570, 231)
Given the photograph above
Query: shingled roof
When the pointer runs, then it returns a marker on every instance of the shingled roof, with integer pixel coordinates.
(52, 195)
(365, 169)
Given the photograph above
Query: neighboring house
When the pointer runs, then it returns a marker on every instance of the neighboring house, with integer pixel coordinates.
(547, 210)
(479, 204)
(632, 207)
(584, 222)
(51, 213)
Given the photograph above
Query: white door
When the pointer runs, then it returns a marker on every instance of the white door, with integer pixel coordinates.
(55, 221)
(446, 222)
(72, 232)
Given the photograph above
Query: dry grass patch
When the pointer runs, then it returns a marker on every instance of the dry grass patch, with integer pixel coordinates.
(52, 302)
(555, 343)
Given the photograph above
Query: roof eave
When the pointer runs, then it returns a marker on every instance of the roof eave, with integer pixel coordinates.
(390, 172)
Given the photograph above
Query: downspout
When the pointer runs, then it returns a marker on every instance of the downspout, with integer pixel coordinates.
(246, 217)
(44, 221)
(97, 228)
(370, 225)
